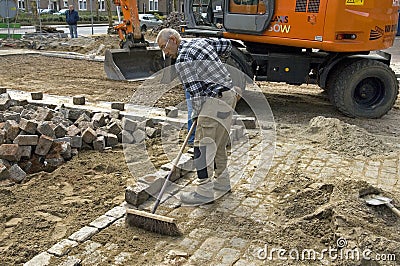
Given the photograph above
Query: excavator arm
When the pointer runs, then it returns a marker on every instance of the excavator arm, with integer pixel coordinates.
(136, 59)
(129, 29)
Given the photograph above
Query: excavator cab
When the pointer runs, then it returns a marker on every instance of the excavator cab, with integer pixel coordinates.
(239, 16)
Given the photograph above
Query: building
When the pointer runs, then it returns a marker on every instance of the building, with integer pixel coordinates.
(162, 7)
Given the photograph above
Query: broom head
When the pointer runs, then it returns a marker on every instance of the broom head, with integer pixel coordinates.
(152, 222)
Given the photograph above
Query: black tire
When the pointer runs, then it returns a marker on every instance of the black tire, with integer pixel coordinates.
(333, 75)
(143, 28)
(239, 61)
(365, 88)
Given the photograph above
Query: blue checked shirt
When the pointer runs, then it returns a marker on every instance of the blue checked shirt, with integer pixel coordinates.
(201, 70)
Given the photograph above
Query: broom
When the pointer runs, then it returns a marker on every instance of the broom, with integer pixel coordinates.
(154, 222)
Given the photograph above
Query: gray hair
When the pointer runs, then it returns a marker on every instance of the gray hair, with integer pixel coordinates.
(164, 34)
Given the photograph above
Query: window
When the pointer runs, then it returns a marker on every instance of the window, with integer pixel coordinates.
(65, 3)
(153, 5)
(82, 5)
(102, 5)
(248, 6)
(21, 4)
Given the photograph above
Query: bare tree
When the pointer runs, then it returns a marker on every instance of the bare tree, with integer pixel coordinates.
(109, 14)
(35, 13)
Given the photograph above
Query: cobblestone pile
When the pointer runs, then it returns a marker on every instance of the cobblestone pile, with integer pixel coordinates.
(40, 137)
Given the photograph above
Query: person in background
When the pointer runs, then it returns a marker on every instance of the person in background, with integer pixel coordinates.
(72, 18)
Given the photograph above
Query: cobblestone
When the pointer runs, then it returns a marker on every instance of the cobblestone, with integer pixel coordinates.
(103, 221)
(83, 234)
(41, 259)
(62, 247)
(227, 256)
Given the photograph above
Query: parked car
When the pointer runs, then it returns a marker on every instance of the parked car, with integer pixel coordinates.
(148, 21)
(61, 12)
(47, 11)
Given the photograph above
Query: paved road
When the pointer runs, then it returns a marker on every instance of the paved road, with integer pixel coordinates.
(83, 30)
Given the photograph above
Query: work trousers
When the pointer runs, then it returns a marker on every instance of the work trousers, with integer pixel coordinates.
(212, 135)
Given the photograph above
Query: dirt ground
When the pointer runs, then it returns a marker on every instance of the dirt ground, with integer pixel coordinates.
(50, 206)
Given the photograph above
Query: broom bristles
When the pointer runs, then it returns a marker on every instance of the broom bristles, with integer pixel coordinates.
(152, 222)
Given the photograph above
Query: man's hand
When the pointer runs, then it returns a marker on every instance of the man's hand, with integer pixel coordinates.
(238, 92)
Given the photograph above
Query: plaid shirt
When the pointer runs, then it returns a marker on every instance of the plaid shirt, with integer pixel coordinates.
(201, 70)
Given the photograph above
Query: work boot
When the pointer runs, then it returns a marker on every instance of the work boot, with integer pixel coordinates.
(222, 183)
(201, 195)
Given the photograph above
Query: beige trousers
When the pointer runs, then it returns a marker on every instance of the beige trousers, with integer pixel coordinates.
(212, 131)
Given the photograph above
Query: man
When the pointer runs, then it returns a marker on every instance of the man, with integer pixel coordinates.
(209, 85)
(72, 18)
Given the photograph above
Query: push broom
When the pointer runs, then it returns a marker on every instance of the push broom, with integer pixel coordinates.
(154, 222)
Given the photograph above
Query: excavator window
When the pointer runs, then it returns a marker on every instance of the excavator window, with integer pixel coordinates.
(247, 7)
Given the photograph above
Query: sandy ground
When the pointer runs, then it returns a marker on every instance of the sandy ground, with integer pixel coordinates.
(50, 206)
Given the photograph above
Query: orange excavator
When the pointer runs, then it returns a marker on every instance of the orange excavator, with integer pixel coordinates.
(335, 44)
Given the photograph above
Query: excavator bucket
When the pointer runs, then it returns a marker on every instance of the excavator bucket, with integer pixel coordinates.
(134, 63)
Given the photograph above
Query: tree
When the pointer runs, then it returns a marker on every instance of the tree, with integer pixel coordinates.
(35, 13)
(109, 14)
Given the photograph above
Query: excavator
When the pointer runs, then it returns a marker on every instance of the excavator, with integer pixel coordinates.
(335, 44)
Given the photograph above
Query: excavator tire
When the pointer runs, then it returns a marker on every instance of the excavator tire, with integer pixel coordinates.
(365, 88)
(334, 73)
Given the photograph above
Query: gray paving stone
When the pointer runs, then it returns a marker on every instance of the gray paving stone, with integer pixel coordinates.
(78, 100)
(116, 212)
(99, 143)
(251, 202)
(76, 142)
(118, 106)
(37, 95)
(44, 145)
(139, 136)
(136, 195)
(45, 128)
(83, 234)
(227, 256)
(94, 258)
(238, 242)
(60, 131)
(71, 261)
(25, 152)
(10, 152)
(189, 244)
(243, 211)
(103, 221)
(171, 111)
(28, 140)
(41, 259)
(28, 126)
(62, 248)
(200, 233)
(90, 246)
(129, 124)
(16, 173)
(122, 257)
(228, 205)
(111, 140)
(207, 250)
(89, 135)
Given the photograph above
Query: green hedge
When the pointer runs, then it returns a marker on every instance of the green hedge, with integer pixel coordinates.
(85, 17)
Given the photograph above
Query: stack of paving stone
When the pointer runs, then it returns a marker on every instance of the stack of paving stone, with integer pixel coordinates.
(150, 185)
(39, 137)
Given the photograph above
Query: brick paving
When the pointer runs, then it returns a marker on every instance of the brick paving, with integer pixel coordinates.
(249, 199)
